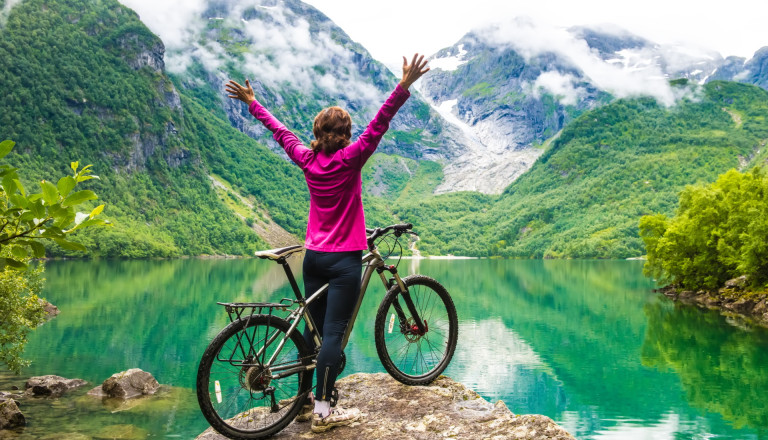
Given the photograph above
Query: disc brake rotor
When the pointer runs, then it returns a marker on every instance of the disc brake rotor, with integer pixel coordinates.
(410, 334)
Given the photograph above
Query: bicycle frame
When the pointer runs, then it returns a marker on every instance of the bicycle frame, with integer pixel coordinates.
(372, 261)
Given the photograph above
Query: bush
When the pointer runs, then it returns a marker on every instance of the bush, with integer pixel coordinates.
(21, 310)
(720, 232)
(26, 220)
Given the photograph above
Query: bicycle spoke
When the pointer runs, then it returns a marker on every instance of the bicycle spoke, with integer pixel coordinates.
(405, 355)
(423, 359)
(415, 359)
(428, 363)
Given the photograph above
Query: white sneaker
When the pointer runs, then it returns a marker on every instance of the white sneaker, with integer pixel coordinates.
(337, 417)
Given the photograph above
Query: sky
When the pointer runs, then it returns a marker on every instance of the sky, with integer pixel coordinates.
(395, 28)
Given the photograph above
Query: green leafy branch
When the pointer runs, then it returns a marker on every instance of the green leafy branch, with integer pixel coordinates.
(26, 219)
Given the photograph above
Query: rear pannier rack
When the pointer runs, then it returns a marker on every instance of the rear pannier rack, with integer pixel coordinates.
(239, 310)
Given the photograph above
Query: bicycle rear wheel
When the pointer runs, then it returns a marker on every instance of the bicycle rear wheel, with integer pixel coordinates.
(410, 355)
(241, 393)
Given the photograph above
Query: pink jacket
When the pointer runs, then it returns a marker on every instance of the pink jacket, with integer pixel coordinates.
(336, 219)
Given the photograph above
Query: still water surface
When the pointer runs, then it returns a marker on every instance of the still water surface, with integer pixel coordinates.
(584, 342)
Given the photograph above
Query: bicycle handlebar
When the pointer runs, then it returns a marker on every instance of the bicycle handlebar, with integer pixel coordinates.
(399, 229)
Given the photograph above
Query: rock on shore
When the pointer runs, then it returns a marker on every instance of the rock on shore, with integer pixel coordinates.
(730, 300)
(444, 409)
(10, 415)
(127, 385)
(51, 385)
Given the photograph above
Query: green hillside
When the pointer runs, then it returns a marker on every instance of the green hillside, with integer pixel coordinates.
(584, 196)
(81, 81)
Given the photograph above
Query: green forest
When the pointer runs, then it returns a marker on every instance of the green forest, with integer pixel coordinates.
(78, 87)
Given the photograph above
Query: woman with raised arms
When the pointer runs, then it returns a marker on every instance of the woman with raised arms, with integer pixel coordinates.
(336, 237)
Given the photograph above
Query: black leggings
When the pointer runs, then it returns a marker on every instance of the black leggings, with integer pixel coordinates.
(331, 312)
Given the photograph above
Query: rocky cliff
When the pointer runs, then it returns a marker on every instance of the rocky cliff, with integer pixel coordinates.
(495, 94)
(511, 88)
(445, 409)
(756, 69)
(298, 62)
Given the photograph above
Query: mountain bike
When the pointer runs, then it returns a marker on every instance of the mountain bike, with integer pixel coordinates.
(256, 373)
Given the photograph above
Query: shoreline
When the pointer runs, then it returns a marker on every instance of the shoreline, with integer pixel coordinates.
(730, 301)
(438, 257)
(404, 257)
(443, 409)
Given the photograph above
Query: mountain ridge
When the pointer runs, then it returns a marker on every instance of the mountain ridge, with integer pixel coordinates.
(85, 82)
(340, 73)
(530, 90)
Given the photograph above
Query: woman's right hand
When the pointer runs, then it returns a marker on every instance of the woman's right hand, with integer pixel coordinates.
(413, 71)
(236, 91)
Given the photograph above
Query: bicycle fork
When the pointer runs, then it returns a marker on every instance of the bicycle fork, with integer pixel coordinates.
(419, 327)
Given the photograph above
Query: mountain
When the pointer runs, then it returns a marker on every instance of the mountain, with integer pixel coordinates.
(676, 61)
(513, 87)
(186, 171)
(757, 67)
(180, 170)
(752, 71)
(508, 104)
(85, 81)
(583, 197)
(299, 62)
(619, 47)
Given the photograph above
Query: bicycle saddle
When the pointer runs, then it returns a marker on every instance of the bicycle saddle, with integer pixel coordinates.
(276, 254)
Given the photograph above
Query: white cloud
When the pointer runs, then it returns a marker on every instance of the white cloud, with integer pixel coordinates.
(558, 85)
(282, 48)
(738, 29)
(743, 75)
(9, 4)
(531, 39)
(212, 54)
(176, 22)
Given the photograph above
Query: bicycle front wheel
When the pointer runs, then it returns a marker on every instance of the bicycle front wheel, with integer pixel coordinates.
(412, 355)
(253, 378)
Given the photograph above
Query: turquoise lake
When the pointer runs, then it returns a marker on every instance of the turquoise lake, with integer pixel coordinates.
(586, 343)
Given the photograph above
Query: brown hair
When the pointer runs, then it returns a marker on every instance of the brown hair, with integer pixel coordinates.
(332, 129)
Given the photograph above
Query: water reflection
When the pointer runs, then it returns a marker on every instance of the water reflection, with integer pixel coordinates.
(585, 325)
(723, 368)
(584, 342)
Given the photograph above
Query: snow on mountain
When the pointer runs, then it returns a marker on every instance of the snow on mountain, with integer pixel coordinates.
(513, 86)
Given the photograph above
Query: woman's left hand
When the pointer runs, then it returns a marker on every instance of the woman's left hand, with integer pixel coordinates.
(236, 91)
(413, 71)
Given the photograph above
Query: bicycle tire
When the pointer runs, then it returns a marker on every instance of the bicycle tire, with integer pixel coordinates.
(399, 349)
(233, 386)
